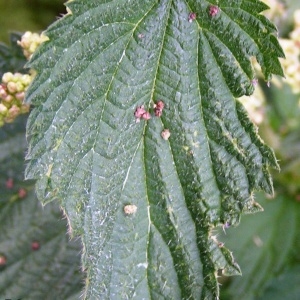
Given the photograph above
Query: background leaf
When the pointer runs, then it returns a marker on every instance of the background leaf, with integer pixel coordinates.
(12, 58)
(22, 15)
(41, 262)
(87, 150)
(266, 246)
(286, 286)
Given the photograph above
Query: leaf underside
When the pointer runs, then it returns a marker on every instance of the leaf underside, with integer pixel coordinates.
(87, 150)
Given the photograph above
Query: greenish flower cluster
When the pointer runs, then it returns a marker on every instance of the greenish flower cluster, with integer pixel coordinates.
(276, 11)
(12, 93)
(291, 64)
(30, 42)
(291, 47)
(14, 86)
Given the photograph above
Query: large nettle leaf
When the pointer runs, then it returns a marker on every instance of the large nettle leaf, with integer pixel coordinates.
(103, 61)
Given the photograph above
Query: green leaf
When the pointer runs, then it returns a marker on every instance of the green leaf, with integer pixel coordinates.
(285, 286)
(87, 151)
(12, 58)
(41, 262)
(264, 246)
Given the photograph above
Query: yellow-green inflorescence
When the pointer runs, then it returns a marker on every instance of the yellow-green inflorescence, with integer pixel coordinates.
(12, 92)
(291, 64)
(291, 47)
(30, 42)
(14, 86)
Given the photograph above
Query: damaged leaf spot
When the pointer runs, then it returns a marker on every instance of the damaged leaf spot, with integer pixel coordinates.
(35, 246)
(165, 134)
(213, 10)
(9, 183)
(130, 209)
(141, 113)
(158, 108)
(22, 193)
(2, 260)
(192, 17)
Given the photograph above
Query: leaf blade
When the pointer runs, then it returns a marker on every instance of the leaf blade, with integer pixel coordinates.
(87, 150)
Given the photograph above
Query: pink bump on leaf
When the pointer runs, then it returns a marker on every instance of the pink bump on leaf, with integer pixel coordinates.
(192, 17)
(35, 246)
(140, 110)
(146, 115)
(213, 10)
(158, 108)
(157, 112)
(2, 260)
(254, 81)
(130, 209)
(165, 134)
(9, 183)
(22, 193)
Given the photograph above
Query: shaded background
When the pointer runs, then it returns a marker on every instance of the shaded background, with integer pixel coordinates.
(28, 15)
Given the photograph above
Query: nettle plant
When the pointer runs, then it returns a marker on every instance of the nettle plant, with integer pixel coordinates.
(137, 132)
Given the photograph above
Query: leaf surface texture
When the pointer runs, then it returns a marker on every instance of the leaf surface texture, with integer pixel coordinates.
(86, 149)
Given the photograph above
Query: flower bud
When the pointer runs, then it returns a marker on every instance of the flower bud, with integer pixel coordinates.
(13, 111)
(7, 77)
(12, 87)
(3, 109)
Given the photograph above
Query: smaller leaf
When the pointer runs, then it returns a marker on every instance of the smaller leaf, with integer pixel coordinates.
(285, 286)
(263, 245)
(38, 260)
(12, 58)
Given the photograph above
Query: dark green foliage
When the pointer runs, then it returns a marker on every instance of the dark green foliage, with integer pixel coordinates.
(267, 246)
(12, 58)
(41, 262)
(87, 150)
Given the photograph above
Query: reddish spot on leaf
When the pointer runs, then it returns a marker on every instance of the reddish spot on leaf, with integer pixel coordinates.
(130, 209)
(2, 260)
(192, 17)
(140, 112)
(158, 108)
(35, 246)
(9, 183)
(165, 134)
(22, 193)
(213, 10)
(146, 116)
